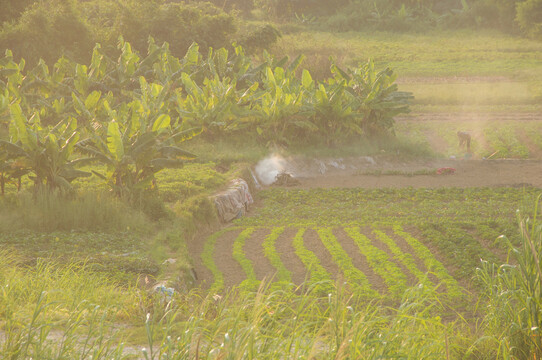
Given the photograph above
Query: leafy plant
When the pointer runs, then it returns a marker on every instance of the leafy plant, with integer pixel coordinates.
(513, 292)
(138, 143)
(43, 151)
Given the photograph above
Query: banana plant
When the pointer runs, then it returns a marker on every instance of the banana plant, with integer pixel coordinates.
(11, 171)
(333, 107)
(211, 106)
(379, 100)
(282, 113)
(45, 152)
(135, 145)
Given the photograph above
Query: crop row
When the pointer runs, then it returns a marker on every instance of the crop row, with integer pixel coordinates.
(382, 262)
(270, 251)
(430, 262)
(239, 255)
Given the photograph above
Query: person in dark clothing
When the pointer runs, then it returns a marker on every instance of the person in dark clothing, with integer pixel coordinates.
(464, 140)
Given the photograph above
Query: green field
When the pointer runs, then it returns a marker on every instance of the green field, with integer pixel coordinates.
(124, 257)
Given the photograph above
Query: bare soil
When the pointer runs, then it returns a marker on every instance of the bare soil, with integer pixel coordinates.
(287, 254)
(468, 116)
(468, 173)
(233, 272)
(254, 252)
(312, 241)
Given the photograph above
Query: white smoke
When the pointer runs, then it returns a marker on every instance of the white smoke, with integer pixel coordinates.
(268, 168)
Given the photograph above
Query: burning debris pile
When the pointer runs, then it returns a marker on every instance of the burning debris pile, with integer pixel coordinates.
(285, 179)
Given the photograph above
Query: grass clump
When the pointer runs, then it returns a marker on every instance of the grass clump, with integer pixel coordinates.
(512, 294)
(46, 212)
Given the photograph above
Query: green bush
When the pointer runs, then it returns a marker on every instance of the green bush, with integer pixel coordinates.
(244, 6)
(47, 30)
(529, 17)
(257, 39)
(178, 24)
(10, 10)
(52, 28)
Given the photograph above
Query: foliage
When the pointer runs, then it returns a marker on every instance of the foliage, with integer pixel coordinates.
(512, 293)
(251, 283)
(46, 152)
(445, 219)
(259, 38)
(53, 28)
(529, 17)
(353, 276)
(207, 257)
(283, 275)
(134, 112)
(48, 211)
(48, 30)
(318, 278)
(378, 260)
(12, 9)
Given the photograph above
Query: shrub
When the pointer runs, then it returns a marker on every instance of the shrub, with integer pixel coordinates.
(259, 38)
(51, 28)
(529, 17)
(48, 29)
(178, 24)
(10, 10)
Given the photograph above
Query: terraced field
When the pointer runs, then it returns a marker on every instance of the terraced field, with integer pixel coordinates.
(374, 262)
(378, 242)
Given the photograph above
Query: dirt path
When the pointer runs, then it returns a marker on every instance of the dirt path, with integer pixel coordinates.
(468, 173)
(288, 256)
(254, 252)
(312, 241)
(233, 272)
(465, 116)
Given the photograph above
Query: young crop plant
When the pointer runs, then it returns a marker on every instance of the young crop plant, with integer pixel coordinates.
(404, 258)
(503, 139)
(379, 261)
(461, 248)
(318, 276)
(433, 265)
(270, 251)
(250, 283)
(355, 278)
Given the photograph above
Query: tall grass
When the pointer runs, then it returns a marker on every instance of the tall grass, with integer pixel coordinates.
(51, 312)
(61, 312)
(513, 294)
(47, 212)
(271, 324)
